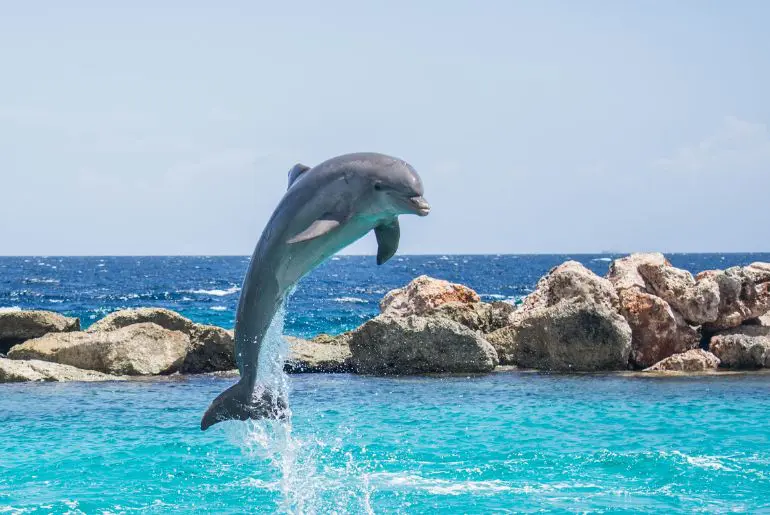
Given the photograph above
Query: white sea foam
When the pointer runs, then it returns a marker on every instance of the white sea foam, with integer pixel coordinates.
(350, 300)
(438, 486)
(10, 309)
(215, 293)
(602, 259)
(36, 280)
(493, 296)
(55, 301)
(218, 308)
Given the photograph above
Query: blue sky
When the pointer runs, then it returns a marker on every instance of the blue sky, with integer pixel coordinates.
(541, 126)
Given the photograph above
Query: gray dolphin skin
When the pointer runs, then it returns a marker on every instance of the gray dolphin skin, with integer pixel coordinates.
(325, 209)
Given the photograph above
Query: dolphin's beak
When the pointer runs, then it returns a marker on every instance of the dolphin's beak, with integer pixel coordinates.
(420, 205)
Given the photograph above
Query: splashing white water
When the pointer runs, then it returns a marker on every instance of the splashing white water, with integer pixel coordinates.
(312, 476)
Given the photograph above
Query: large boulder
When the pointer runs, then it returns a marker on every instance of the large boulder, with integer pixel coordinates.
(694, 360)
(478, 316)
(571, 322)
(744, 294)
(307, 356)
(745, 347)
(16, 371)
(657, 331)
(18, 326)
(697, 301)
(165, 318)
(423, 295)
(388, 345)
(624, 272)
(138, 349)
(211, 347)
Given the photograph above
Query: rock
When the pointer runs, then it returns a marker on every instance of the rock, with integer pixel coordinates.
(307, 356)
(388, 345)
(657, 331)
(571, 322)
(744, 347)
(573, 335)
(165, 318)
(478, 316)
(568, 281)
(138, 349)
(211, 348)
(424, 294)
(624, 272)
(505, 343)
(18, 326)
(744, 294)
(694, 360)
(696, 301)
(16, 371)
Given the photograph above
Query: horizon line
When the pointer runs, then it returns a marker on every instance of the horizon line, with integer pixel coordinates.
(581, 253)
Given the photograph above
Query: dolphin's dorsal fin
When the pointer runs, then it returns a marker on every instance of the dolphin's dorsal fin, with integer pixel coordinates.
(387, 235)
(296, 172)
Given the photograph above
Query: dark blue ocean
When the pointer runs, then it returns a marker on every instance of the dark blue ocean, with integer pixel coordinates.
(500, 443)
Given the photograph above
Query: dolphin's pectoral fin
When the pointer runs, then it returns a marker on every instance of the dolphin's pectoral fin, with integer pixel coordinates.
(387, 240)
(318, 228)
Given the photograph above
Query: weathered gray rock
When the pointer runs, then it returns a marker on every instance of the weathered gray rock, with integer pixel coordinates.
(574, 335)
(388, 345)
(695, 360)
(478, 316)
(571, 322)
(657, 331)
(211, 348)
(744, 347)
(308, 356)
(138, 349)
(741, 296)
(624, 272)
(18, 326)
(697, 301)
(423, 295)
(17, 371)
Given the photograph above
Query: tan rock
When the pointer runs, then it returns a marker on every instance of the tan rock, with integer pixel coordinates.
(16, 371)
(424, 294)
(308, 356)
(624, 272)
(694, 360)
(569, 281)
(138, 349)
(478, 316)
(696, 301)
(211, 348)
(741, 298)
(744, 347)
(18, 326)
(388, 345)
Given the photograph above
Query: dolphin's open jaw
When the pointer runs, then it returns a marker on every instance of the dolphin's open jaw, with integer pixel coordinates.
(420, 205)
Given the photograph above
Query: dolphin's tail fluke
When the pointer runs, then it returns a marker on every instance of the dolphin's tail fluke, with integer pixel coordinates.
(239, 402)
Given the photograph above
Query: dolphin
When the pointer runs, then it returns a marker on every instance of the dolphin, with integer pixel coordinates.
(325, 208)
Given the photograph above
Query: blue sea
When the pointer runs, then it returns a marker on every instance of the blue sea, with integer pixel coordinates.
(498, 443)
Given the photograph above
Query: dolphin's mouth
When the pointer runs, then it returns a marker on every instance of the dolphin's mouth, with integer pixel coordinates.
(420, 205)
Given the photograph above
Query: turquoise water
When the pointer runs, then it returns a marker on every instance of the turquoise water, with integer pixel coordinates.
(499, 443)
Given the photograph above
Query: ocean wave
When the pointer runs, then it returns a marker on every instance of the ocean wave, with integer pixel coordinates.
(602, 259)
(218, 308)
(350, 300)
(10, 309)
(36, 280)
(215, 293)
(442, 486)
(495, 296)
(55, 301)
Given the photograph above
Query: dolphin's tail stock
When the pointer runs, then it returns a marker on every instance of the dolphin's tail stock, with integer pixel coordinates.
(239, 402)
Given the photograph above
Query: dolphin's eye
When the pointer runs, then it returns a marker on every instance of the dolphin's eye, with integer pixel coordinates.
(378, 186)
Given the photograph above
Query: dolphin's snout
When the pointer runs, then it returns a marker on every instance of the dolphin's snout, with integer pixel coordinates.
(421, 205)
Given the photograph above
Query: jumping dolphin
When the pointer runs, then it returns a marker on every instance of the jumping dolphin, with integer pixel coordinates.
(325, 209)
